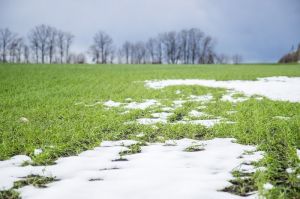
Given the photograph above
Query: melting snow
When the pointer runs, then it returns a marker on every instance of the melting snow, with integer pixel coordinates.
(158, 172)
(276, 88)
(37, 151)
(111, 103)
(229, 97)
(142, 105)
(281, 117)
(147, 121)
(158, 118)
(206, 123)
(268, 186)
(195, 113)
(24, 120)
(201, 98)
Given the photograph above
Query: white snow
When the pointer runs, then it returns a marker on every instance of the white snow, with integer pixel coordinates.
(158, 118)
(290, 170)
(157, 172)
(195, 113)
(207, 123)
(139, 135)
(229, 97)
(178, 103)
(201, 98)
(111, 103)
(268, 186)
(162, 115)
(231, 112)
(281, 117)
(167, 109)
(24, 120)
(147, 121)
(202, 107)
(276, 88)
(37, 151)
(142, 105)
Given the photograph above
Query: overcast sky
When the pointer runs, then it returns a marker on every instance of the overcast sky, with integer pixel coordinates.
(260, 30)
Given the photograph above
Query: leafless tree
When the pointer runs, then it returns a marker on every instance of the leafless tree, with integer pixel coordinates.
(206, 51)
(64, 41)
(80, 58)
(126, 51)
(102, 47)
(222, 59)
(41, 35)
(26, 54)
(139, 50)
(172, 47)
(6, 39)
(69, 40)
(51, 45)
(16, 50)
(195, 37)
(34, 44)
(61, 45)
(237, 59)
(151, 47)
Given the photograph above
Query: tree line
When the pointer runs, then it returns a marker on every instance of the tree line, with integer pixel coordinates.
(47, 44)
(292, 57)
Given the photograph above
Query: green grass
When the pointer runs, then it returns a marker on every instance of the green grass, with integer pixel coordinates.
(47, 96)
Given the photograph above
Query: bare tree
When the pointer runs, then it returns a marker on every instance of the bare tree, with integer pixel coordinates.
(222, 59)
(6, 39)
(26, 54)
(80, 58)
(15, 50)
(140, 53)
(40, 38)
(206, 51)
(64, 42)
(151, 49)
(61, 44)
(34, 44)
(195, 44)
(52, 43)
(126, 51)
(237, 59)
(184, 38)
(102, 47)
(172, 47)
(69, 40)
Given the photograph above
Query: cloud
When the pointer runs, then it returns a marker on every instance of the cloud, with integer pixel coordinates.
(259, 30)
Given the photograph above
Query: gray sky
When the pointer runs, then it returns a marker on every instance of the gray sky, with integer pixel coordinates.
(260, 30)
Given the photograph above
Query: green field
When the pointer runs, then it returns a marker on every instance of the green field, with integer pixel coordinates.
(54, 97)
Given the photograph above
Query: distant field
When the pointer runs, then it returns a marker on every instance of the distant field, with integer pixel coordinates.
(66, 115)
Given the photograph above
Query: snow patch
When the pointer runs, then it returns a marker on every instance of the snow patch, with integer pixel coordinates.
(207, 123)
(195, 113)
(229, 97)
(159, 171)
(37, 151)
(201, 98)
(147, 121)
(281, 117)
(268, 186)
(142, 105)
(275, 88)
(111, 103)
(23, 120)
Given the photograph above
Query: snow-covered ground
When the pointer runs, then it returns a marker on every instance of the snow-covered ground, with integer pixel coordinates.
(276, 88)
(159, 171)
